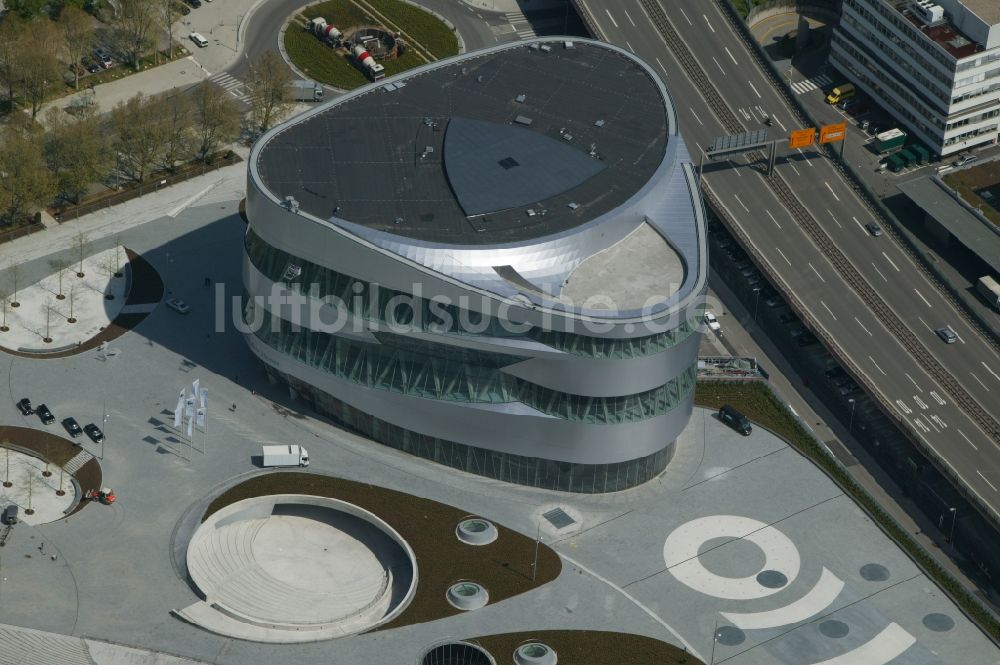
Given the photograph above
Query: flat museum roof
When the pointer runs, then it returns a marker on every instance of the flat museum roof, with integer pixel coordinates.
(596, 132)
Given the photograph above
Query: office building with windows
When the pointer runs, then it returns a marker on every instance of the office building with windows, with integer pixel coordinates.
(934, 65)
(495, 262)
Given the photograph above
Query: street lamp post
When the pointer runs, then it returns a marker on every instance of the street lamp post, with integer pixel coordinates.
(850, 427)
(951, 533)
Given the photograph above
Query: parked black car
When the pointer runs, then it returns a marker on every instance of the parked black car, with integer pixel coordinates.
(194, 3)
(24, 406)
(44, 414)
(94, 432)
(735, 420)
(72, 427)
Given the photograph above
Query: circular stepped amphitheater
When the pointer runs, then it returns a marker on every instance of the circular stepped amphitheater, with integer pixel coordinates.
(297, 568)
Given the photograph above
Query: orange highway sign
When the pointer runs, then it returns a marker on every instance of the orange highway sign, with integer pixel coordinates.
(832, 133)
(801, 138)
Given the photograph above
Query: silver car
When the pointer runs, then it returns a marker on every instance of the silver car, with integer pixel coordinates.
(947, 335)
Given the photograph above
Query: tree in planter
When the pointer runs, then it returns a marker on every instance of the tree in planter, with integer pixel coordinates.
(132, 27)
(72, 297)
(138, 135)
(81, 246)
(77, 151)
(118, 256)
(78, 31)
(25, 180)
(60, 266)
(4, 300)
(48, 317)
(165, 13)
(217, 119)
(269, 88)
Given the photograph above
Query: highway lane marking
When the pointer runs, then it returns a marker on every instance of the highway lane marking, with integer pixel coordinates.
(740, 201)
(834, 217)
(828, 309)
(992, 486)
(922, 297)
(808, 161)
(974, 446)
(890, 261)
(629, 17)
(729, 53)
(772, 218)
(629, 46)
(933, 426)
(939, 420)
(831, 190)
(963, 342)
(665, 71)
(752, 87)
(783, 256)
(925, 324)
(901, 405)
(920, 425)
(990, 371)
(685, 17)
(608, 11)
(709, 23)
(877, 367)
(784, 129)
(863, 327)
(951, 466)
(980, 382)
(879, 272)
(794, 169)
(938, 398)
(921, 403)
(692, 110)
(818, 275)
(860, 225)
(915, 384)
(723, 72)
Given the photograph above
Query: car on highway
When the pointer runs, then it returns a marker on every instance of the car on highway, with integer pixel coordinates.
(72, 427)
(947, 335)
(873, 229)
(178, 305)
(24, 406)
(44, 414)
(94, 432)
(712, 322)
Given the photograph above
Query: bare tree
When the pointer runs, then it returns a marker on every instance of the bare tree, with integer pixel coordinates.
(25, 180)
(269, 89)
(77, 151)
(133, 26)
(81, 241)
(78, 31)
(176, 113)
(217, 119)
(60, 266)
(72, 298)
(14, 273)
(138, 135)
(39, 64)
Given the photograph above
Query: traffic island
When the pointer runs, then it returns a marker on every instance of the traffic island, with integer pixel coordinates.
(26, 455)
(119, 289)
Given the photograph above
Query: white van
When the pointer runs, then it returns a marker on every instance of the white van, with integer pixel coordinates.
(198, 39)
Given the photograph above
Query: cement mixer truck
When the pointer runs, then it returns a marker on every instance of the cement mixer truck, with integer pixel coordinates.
(325, 31)
(375, 70)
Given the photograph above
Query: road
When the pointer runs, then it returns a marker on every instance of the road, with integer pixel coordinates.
(896, 350)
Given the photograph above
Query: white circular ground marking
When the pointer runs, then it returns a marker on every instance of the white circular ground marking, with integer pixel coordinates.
(680, 554)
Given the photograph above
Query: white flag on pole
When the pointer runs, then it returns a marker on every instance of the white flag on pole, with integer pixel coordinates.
(200, 418)
(204, 399)
(178, 410)
(194, 387)
(190, 431)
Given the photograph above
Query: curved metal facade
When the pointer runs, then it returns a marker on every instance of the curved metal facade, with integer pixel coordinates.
(424, 348)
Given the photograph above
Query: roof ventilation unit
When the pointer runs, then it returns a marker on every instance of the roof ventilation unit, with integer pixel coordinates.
(292, 204)
(929, 11)
(535, 653)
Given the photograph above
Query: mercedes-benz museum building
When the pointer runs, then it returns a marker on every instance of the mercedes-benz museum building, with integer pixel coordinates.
(495, 262)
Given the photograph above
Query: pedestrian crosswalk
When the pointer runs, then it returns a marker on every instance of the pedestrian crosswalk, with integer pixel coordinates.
(520, 23)
(232, 85)
(801, 87)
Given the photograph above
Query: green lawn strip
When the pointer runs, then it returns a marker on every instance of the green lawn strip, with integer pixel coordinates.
(422, 26)
(743, 7)
(585, 647)
(502, 567)
(761, 405)
(341, 13)
(320, 62)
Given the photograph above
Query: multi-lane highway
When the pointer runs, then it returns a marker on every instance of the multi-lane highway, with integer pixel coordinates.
(865, 295)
